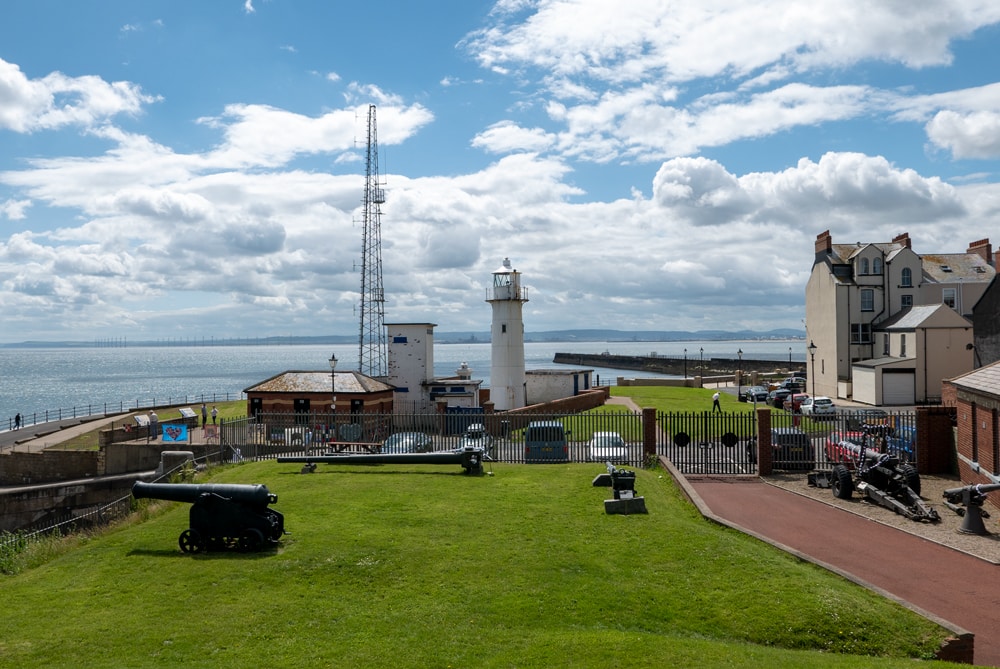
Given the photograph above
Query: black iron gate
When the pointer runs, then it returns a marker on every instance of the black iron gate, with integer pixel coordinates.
(708, 442)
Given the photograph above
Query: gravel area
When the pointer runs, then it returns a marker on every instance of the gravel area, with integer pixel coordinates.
(944, 532)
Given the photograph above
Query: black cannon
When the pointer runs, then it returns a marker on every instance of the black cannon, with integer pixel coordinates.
(968, 502)
(622, 483)
(222, 516)
(881, 478)
(471, 459)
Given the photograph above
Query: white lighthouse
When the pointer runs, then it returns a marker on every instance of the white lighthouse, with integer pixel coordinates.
(507, 381)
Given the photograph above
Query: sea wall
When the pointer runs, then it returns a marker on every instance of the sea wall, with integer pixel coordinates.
(678, 366)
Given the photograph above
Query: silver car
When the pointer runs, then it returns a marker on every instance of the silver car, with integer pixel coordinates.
(607, 447)
(407, 442)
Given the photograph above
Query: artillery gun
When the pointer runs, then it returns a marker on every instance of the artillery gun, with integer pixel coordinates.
(967, 502)
(471, 459)
(622, 483)
(882, 479)
(222, 516)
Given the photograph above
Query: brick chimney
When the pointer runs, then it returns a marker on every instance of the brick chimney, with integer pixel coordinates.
(903, 239)
(824, 242)
(983, 249)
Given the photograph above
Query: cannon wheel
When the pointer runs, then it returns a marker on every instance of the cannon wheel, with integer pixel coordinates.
(251, 539)
(910, 477)
(842, 484)
(191, 541)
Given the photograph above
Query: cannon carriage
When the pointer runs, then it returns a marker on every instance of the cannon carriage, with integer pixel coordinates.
(222, 516)
(881, 478)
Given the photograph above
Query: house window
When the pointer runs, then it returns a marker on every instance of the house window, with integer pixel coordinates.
(906, 277)
(885, 344)
(905, 301)
(864, 265)
(902, 345)
(877, 266)
(867, 300)
(861, 333)
(948, 297)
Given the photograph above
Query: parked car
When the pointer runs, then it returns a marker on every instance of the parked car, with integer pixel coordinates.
(818, 406)
(794, 402)
(755, 394)
(777, 397)
(902, 443)
(546, 441)
(476, 436)
(855, 419)
(408, 442)
(792, 449)
(794, 383)
(607, 447)
(837, 452)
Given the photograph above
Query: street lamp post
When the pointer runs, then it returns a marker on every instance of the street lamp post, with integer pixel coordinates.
(701, 352)
(789, 360)
(739, 374)
(812, 360)
(333, 396)
(685, 363)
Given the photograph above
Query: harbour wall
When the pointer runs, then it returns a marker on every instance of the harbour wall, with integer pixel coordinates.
(678, 366)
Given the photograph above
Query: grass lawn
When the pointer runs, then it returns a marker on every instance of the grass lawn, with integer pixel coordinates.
(696, 400)
(420, 566)
(680, 400)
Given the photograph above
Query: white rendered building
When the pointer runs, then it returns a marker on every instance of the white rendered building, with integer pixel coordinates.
(411, 371)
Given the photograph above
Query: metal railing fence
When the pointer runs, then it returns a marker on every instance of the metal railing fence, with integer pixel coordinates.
(32, 418)
(270, 435)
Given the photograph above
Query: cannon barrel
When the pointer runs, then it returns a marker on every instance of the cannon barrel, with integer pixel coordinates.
(976, 489)
(869, 454)
(256, 495)
(470, 458)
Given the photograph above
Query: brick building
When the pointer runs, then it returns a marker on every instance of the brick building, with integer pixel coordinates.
(976, 399)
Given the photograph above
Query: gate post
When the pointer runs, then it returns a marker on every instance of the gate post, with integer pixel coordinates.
(648, 433)
(765, 454)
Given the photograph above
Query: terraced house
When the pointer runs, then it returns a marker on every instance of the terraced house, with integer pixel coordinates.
(885, 325)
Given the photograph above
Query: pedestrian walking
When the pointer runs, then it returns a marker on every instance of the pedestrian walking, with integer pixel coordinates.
(154, 425)
(215, 414)
(715, 402)
(17, 422)
(204, 415)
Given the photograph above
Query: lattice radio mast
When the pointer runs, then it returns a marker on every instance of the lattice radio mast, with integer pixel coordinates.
(372, 340)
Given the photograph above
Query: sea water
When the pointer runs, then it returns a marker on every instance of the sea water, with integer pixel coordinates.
(36, 380)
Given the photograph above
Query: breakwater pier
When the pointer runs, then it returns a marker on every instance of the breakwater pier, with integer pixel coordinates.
(676, 366)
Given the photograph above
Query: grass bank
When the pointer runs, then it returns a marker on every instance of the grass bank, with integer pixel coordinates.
(409, 566)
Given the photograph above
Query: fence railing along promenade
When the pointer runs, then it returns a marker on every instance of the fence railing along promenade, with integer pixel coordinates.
(695, 442)
(117, 407)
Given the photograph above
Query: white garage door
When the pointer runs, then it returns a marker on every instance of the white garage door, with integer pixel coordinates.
(898, 389)
(864, 385)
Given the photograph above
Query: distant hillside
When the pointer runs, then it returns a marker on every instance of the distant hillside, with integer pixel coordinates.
(439, 337)
(625, 335)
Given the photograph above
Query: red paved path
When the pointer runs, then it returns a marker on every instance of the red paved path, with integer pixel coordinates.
(959, 588)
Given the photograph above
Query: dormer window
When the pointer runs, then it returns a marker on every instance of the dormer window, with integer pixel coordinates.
(906, 277)
(864, 266)
(877, 266)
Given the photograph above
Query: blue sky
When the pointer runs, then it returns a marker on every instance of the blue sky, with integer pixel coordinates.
(195, 169)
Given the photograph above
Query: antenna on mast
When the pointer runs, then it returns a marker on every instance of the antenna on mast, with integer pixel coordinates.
(372, 338)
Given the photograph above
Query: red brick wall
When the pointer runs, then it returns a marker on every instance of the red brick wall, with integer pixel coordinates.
(935, 440)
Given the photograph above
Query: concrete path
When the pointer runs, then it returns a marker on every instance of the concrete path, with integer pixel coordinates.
(941, 581)
(42, 435)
